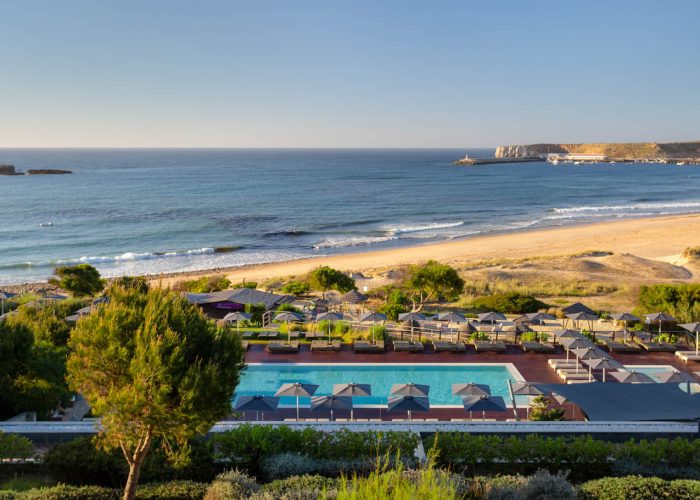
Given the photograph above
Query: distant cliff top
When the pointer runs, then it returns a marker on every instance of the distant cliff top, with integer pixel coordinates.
(632, 151)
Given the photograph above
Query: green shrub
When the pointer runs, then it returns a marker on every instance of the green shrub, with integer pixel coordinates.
(205, 284)
(681, 301)
(300, 488)
(545, 486)
(68, 492)
(246, 446)
(509, 303)
(172, 490)
(392, 311)
(288, 307)
(534, 336)
(232, 485)
(284, 465)
(15, 446)
(639, 488)
(296, 288)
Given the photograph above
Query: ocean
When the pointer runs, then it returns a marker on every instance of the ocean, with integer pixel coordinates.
(159, 211)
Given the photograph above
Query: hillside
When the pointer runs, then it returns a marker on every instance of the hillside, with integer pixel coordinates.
(631, 151)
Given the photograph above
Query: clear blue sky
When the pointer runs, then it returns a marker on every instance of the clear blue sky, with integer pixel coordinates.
(390, 73)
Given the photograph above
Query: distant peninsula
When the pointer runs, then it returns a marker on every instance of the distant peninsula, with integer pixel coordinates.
(651, 152)
(11, 170)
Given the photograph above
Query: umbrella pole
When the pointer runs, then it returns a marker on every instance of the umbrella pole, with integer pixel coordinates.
(470, 415)
(483, 415)
(297, 408)
(331, 412)
(409, 415)
(603, 374)
(352, 414)
(512, 398)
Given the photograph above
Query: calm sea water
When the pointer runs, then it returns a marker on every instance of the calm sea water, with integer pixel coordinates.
(154, 211)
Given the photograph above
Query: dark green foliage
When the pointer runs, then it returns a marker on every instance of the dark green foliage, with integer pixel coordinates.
(313, 486)
(80, 462)
(32, 374)
(680, 301)
(68, 492)
(231, 485)
(509, 303)
(542, 409)
(205, 284)
(46, 319)
(247, 445)
(584, 456)
(284, 465)
(245, 284)
(172, 490)
(639, 488)
(325, 278)
(296, 288)
(15, 446)
(82, 280)
(135, 282)
(392, 311)
(256, 311)
(288, 307)
(432, 281)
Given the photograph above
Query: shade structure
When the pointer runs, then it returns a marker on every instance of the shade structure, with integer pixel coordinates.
(451, 317)
(602, 364)
(410, 389)
(471, 389)
(257, 403)
(672, 376)
(352, 390)
(582, 316)
(237, 316)
(536, 317)
(373, 317)
(693, 328)
(633, 377)
(411, 316)
(4, 295)
(588, 353)
(624, 316)
(576, 343)
(353, 297)
(330, 316)
(564, 334)
(630, 402)
(491, 317)
(408, 404)
(659, 317)
(526, 389)
(288, 317)
(577, 307)
(296, 389)
(331, 402)
(483, 404)
(522, 328)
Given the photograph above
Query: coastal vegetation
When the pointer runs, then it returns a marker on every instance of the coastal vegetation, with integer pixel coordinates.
(509, 303)
(432, 281)
(681, 301)
(81, 280)
(325, 278)
(169, 375)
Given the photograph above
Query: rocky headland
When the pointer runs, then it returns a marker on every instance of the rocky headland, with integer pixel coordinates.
(11, 170)
(614, 151)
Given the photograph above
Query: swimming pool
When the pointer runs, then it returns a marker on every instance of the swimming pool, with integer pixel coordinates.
(266, 378)
(650, 370)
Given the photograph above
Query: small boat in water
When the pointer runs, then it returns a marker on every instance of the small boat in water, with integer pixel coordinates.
(46, 224)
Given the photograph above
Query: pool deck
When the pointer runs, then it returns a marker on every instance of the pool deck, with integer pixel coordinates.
(532, 366)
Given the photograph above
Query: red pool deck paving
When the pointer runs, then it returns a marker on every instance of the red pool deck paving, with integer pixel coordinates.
(532, 366)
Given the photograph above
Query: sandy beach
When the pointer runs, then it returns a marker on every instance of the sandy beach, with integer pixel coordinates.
(657, 239)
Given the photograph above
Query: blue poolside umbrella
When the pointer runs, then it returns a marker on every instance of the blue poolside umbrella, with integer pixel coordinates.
(693, 328)
(257, 404)
(296, 389)
(3, 297)
(352, 390)
(331, 317)
(471, 389)
(408, 404)
(451, 317)
(237, 316)
(288, 317)
(330, 402)
(410, 389)
(491, 317)
(373, 317)
(483, 404)
(633, 377)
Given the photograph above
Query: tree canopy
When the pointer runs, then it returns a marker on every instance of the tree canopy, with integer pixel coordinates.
(82, 280)
(325, 278)
(432, 281)
(154, 368)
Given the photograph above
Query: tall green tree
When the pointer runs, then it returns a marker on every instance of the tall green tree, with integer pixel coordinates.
(326, 278)
(432, 281)
(156, 370)
(82, 280)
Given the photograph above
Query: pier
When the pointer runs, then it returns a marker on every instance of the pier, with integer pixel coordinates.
(493, 161)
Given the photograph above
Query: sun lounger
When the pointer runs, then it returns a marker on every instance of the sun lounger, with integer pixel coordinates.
(443, 346)
(687, 356)
(459, 420)
(283, 347)
(486, 346)
(290, 419)
(325, 346)
(560, 363)
(568, 377)
(268, 335)
(363, 346)
(537, 347)
(406, 346)
(294, 335)
(656, 346)
(248, 335)
(622, 348)
(554, 362)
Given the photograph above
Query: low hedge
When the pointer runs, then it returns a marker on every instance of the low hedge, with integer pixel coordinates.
(584, 456)
(639, 488)
(247, 446)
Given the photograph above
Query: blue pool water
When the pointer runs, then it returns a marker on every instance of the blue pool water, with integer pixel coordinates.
(268, 377)
(650, 370)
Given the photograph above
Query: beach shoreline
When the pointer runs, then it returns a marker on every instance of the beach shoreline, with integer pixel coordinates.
(660, 238)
